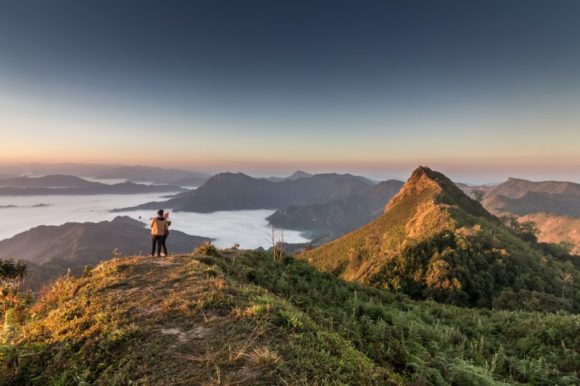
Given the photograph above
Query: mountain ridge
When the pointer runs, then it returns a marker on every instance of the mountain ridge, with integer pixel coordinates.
(150, 173)
(72, 185)
(238, 191)
(521, 197)
(48, 181)
(435, 241)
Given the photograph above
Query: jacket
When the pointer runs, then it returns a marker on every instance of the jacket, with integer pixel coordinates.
(159, 226)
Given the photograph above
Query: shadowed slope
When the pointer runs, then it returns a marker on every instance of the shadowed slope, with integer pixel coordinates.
(334, 218)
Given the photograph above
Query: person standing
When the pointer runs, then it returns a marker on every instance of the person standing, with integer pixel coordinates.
(166, 217)
(159, 228)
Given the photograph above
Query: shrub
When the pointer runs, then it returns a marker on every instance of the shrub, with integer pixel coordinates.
(207, 249)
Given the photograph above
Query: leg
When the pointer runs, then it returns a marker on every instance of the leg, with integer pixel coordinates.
(163, 245)
(153, 242)
(159, 242)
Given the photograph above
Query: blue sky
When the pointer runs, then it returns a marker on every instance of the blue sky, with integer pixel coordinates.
(480, 90)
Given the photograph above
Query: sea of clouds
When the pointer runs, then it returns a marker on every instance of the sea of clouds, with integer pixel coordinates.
(249, 228)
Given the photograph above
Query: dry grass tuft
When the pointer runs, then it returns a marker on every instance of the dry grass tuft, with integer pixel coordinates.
(263, 357)
(253, 311)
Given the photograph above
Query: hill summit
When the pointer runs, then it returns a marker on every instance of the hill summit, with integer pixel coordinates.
(426, 182)
(433, 241)
(50, 250)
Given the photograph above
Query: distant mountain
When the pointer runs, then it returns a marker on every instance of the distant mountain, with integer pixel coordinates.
(237, 191)
(299, 174)
(517, 187)
(37, 169)
(191, 181)
(74, 245)
(521, 197)
(294, 176)
(71, 185)
(151, 174)
(433, 241)
(334, 218)
(134, 173)
(472, 190)
(50, 181)
(39, 276)
(556, 229)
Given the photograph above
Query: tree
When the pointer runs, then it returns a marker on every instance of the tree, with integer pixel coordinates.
(11, 275)
(278, 246)
(11, 270)
(525, 230)
(11, 298)
(567, 246)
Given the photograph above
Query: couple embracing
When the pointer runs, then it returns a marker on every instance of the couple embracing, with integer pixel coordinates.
(159, 232)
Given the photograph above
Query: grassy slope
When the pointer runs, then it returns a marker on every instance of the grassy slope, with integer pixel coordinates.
(246, 319)
(173, 322)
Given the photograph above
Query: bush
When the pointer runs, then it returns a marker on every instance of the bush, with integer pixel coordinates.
(206, 249)
(524, 300)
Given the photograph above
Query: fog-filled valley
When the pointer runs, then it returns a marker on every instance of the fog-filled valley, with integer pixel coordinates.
(249, 228)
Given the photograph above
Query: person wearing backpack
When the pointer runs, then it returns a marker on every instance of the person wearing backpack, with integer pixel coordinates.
(159, 230)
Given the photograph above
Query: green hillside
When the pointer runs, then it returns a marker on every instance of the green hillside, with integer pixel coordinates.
(433, 241)
(246, 319)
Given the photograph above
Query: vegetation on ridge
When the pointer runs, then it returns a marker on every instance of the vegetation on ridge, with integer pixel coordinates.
(248, 319)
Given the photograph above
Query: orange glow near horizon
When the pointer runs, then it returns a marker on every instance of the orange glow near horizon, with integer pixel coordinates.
(518, 142)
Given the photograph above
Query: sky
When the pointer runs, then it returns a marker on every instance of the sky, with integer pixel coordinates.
(480, 90)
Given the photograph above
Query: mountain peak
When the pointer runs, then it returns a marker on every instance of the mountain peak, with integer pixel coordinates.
(299, 174)
(428, 184)
(428, 204)
(424, 174)
(422, 170)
